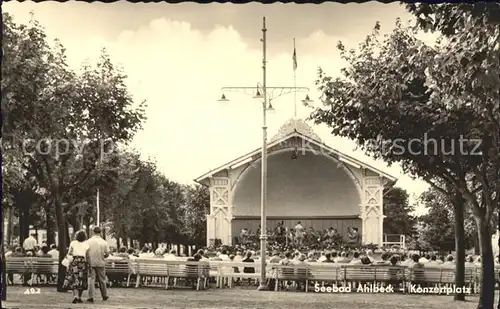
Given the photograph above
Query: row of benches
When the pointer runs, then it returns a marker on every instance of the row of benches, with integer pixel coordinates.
(225, 272)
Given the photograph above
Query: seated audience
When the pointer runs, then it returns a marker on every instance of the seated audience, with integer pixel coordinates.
(328, 258)
(425, 259)
(322, 258)
(144, 254)
(54, 252)
(365, 260)
(275, 258)
(356, 260)
(131, 254)
(158, 254)
(342, 259)
(224, 256)
(45, 252)
(122, 253)
(172, 255)
(369, 255)
(384, 259)
(450, 261)
(301, 269)
(433, 262)
(478, 261)
(418, 273)
(469, 261)
(405, 261)
(311, 258)
(248, 259)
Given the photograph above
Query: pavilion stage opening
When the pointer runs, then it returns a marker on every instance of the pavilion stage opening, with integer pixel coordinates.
(308, 181)
(312, 189)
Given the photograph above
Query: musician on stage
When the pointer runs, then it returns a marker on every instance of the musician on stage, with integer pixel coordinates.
(312, 237)
(299, 234)
(280, 232)
(353, 237)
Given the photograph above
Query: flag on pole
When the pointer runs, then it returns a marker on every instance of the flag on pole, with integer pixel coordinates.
(294, 56)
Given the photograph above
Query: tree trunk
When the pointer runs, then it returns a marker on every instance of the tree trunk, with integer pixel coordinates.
(486, 298)
(51, 225)
(477, 246)
(498, 229)
(8, 228)
(4, 273)
(459, 204)
(69, 236)
(24, 224)
(118, 243)
(62, 231)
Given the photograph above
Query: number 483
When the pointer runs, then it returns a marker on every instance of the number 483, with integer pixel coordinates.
(32, 291)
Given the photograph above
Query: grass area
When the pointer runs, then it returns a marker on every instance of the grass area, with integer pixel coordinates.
(235, 298)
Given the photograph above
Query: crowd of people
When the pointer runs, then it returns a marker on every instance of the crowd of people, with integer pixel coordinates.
(87, 257)
(301, 238)
(296, 258)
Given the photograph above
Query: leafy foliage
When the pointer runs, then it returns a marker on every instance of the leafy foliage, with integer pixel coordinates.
(398, 210)
(437, 226)
(58, 122)
(404, 101)
(197, 206)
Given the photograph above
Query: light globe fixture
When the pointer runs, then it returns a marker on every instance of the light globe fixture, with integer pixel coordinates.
(270, 108)
(223, 99)
(307, 100)
(258, 95)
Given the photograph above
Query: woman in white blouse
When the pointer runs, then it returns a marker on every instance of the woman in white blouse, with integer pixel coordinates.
(77, 274)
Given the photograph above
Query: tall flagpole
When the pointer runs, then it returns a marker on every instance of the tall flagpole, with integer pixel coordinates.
(294, 80)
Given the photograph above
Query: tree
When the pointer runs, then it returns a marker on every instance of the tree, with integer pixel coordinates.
(437, 224)
(468, 73)
(117, 191)
(196, 208)
(70, 120)
(399, 220)
(402, 101)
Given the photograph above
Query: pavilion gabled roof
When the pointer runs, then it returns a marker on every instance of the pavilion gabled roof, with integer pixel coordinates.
(296, 128)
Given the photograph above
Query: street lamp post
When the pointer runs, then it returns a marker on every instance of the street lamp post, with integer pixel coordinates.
(268, 95)
(263, 189)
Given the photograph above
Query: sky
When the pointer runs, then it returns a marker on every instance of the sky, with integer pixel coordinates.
(179, 56)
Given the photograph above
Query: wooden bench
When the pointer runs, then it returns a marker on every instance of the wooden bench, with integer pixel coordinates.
(150, 269)
(189, 271)
(18, 266)
(325, 272)
(297, 274)
(42, 266)
(227, 272)
(339, 274)
(118, 270)
(375, 275)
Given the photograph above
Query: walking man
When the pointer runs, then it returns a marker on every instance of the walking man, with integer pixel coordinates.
(98, 252)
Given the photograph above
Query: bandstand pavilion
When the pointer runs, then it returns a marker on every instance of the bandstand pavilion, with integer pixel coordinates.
(308, 181)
